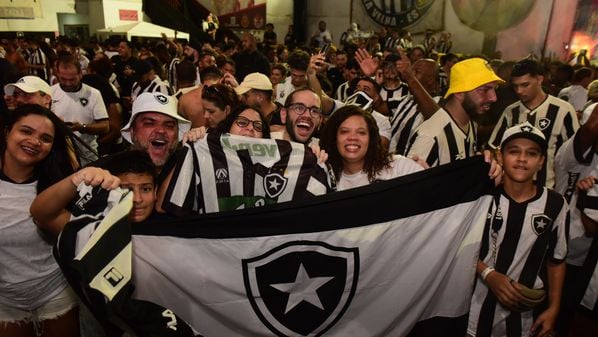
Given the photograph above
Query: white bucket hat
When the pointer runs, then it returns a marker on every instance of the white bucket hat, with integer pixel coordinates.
(155, 102)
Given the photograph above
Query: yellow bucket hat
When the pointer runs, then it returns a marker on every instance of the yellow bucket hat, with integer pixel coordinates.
(470, 74)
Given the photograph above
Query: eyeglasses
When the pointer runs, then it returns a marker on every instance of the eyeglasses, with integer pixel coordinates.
(300, 108)
(243, 122)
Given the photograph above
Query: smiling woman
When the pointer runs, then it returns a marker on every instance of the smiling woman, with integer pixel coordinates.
(355, 152)
(36, 151)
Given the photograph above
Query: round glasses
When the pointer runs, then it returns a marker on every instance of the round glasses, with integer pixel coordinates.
(243, 122)
(300, 108)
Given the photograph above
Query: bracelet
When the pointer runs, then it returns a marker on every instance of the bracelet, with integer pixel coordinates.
(485, 272)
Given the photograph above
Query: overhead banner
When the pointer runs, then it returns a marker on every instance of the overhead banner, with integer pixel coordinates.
(371, 261)
(235, 14)
(416, 16)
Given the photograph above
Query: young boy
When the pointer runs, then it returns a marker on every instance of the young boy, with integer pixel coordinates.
(132, 170)
(524, 239)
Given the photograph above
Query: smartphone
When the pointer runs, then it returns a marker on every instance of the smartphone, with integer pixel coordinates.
(325, 48)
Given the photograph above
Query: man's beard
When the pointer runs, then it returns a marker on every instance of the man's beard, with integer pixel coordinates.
(470, 108)
(71, 88)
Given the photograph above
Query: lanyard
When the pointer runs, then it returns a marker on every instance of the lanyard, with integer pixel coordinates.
(495, 221)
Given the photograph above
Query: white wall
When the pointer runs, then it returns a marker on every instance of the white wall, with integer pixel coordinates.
(334, 12)
(45, 12)
(96, 19)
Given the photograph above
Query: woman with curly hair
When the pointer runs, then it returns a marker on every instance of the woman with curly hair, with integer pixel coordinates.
(351, 139)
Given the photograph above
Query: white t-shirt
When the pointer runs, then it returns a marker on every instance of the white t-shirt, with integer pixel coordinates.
(399, 166)
(587, 112)
(283, 90)
(85, 106)
(576, 95)
(29, 275)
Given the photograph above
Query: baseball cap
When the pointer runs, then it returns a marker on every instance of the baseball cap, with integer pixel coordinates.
(470, 74)
(524, 130)
(155, 102)
(257, 81)
(28, 84)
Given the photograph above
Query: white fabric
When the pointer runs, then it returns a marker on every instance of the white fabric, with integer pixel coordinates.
(283, 90)
(576, 95)
(85, 106)
(29, 275)
(398, 166)
(587, 112)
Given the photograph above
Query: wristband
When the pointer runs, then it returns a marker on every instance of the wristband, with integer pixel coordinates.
(485, 272)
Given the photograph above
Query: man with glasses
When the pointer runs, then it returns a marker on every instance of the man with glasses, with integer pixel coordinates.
(302, 115)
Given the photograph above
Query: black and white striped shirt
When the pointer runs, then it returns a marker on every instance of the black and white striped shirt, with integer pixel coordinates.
(404, 120)
(172, 78)
(529, 234)
(342, 92)
(554, 117)
(38, 57)
(228, 172)
(440, 140)
(393, 97)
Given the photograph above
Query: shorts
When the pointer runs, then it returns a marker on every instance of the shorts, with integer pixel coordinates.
(54, 308)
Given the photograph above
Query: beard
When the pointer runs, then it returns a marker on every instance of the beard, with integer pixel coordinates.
(470, 108)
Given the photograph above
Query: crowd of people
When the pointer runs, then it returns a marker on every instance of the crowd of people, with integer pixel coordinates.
(116, 113)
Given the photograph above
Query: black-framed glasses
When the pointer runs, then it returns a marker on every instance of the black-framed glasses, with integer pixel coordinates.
(243, 122)
(300, 108)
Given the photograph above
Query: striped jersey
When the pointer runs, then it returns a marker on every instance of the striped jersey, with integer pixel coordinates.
(404, 120)
(527, 235)
(554, 117)
(571, 164)
(440, 140)
(342, 92)
(228, 172)
(393, 97)
(172, 77)
(38, 57)
(156, 85)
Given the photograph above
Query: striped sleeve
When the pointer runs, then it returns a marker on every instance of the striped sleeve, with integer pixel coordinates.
(501, 126)
(425, 147)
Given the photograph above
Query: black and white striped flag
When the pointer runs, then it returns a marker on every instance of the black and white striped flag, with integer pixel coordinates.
(349, 263)
(228, 172)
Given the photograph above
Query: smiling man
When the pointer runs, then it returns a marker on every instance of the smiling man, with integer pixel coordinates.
(302, 115)
(155, 127)
(450, 134)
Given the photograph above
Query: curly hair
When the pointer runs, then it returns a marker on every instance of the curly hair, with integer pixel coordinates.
(227, 123)
(376, 158)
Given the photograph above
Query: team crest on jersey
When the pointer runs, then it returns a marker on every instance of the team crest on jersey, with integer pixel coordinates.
(83, 101)
(301, 288)
(543, 123)
(274, 184)
(540, 223)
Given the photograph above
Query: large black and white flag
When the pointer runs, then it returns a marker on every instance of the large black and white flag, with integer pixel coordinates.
(371, 261)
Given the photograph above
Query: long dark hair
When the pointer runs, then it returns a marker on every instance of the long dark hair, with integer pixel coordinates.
(376, 157)
(227, 123)
(59, 163)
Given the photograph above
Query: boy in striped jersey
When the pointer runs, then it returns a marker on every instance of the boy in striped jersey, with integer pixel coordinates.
(556, 118)
(524, 238)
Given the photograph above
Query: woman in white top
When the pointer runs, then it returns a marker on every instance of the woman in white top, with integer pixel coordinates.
(35, 299)
(351, 139)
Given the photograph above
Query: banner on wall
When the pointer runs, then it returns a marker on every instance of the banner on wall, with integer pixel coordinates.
(416, 15)
(239, 14)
